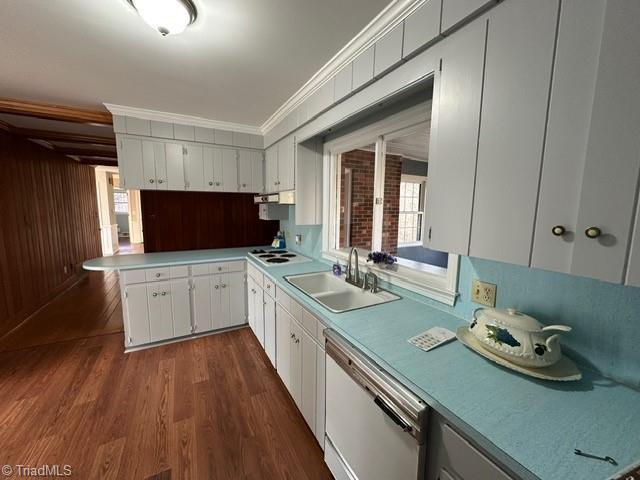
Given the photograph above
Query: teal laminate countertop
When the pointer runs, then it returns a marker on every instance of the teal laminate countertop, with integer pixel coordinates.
(531, 426)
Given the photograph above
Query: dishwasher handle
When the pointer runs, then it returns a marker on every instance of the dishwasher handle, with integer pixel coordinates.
(384, 406)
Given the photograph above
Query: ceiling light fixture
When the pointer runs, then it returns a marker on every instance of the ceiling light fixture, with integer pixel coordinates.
(169, 17)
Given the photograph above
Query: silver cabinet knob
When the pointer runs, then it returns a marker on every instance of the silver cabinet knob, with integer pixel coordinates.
(297, 340)
(217, 286)
(219, 269)
(558, 230)
(211, 183)
(593, 232)
(160, 181)
(154, 294)
(157, 275)
(292, 335)
(244, 185)
(264, 303)
(164, 293)
(268, 286)
(224, 285)
(217, 184)
(151, 180)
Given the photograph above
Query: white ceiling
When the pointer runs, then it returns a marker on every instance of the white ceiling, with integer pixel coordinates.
(414, 146)
(238, 63)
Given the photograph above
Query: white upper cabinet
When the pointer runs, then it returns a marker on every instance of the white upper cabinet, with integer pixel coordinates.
(130, 163)
(455, 11)
(455, 119)
(421, 27)
(174, 153)
(154, 165)
(184, 132)
(161, 129)
(204, 135)
(363, 67)
(342, 83)
(519, 57)
(137, 126)
(229, 170)
(271, 169)
(250, 171)
(220, 169)
(194, 168)
(309, 183)
(388, 50)
(572, 92)
(286, 164)
(224, 137)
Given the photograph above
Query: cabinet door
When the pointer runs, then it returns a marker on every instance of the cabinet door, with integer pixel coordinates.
(259, 307)
(236, 291)
(244, 171)
(130, 163)
(219, 302)
(388, 50)
(612, 163)
(251, 303)
(180, 307)
(149, 165)
(271, 169)
(257, 172)
(269, 314)
(175, 166)
(422, 26)
(295, 369)
(201, 304)
(211, 159)
(519, 56)
(229, 170)
(363, 68)
(320, 395)
(283, 345)
(194, 168)
(454, 11)
(455, 119)
(286, 164)
(160, 160)
(307, 346)
(160, 315)
(137, 315)
(572, 91)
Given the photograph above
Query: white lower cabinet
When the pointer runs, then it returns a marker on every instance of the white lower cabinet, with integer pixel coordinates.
(165, 303)
(269, 317)
(308, 360)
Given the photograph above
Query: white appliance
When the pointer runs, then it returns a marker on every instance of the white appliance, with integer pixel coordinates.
(375, 427)
(276, 256)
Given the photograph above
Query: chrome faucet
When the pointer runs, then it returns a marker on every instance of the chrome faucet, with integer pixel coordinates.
(350, 277)
(370, 282)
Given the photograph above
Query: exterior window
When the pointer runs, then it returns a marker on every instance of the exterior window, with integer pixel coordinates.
(121, 201)
(411, 211)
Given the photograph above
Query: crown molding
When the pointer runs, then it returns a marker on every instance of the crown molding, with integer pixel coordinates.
(392, 15)
(180, 119)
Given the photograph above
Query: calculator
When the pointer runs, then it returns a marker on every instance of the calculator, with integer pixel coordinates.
(432, 338)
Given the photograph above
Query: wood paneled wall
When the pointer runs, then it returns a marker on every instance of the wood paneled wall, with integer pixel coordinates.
(196, 220)
(48, 222)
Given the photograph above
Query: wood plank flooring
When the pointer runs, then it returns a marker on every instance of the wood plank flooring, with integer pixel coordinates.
(210, 408)
(90, 308)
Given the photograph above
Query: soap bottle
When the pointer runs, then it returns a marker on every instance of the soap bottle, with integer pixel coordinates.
(337, 268)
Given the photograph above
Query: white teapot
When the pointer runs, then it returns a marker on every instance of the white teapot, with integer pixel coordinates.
(517, 337)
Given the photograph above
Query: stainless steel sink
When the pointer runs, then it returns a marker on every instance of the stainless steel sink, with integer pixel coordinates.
(337, 295)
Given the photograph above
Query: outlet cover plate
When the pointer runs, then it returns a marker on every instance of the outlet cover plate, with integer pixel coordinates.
(483, 293)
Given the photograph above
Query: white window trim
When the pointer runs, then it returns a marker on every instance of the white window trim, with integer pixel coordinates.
(442, 288)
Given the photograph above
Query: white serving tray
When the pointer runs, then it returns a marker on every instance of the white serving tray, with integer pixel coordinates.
(562, 371)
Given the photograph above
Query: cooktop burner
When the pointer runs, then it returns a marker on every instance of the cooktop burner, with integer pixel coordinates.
(278, 251)
(267, 255)
(258, 250)
(288, 255)
(278, 260)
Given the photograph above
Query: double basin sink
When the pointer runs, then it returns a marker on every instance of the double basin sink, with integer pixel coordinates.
(335, 294)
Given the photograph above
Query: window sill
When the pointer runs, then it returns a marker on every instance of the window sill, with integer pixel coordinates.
(432, 285)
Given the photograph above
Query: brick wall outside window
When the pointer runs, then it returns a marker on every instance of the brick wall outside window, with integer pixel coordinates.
(361, 163)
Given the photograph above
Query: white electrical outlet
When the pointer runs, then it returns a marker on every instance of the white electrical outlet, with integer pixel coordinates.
(483, 293)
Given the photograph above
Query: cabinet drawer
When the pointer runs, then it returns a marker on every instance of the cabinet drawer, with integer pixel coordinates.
(132, 276)
(295, 309)
(180, 271)
(200, 269)
(237, 266)
(255, 273)
(465, 461)
(310, 323)
(157, 274)
(269, 286)
(284, 299)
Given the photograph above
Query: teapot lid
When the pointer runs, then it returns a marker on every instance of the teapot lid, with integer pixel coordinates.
(511, 317)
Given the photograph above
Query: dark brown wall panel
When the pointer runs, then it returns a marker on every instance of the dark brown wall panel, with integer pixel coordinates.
(48, 221)
(196, 220)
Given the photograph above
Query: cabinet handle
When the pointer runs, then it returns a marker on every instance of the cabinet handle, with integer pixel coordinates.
(268, 286)
(593, 232)
(219, 269)
(224, 285)
(164, 293)
(264, 303)
(157, 275)
(244, 185)
(160, 181)
(217, 184)
(154, 294)
(558, 230)
(151, 180)
(211, 183)
(292, 335)
(217, 286)
(297, 340)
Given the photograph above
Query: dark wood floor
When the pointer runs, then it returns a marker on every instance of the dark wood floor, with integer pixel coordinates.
(210, 408)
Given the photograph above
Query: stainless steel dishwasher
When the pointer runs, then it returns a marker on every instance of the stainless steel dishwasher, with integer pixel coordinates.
(375, 427)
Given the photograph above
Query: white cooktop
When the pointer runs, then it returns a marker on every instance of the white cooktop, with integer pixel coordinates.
(270, 257)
